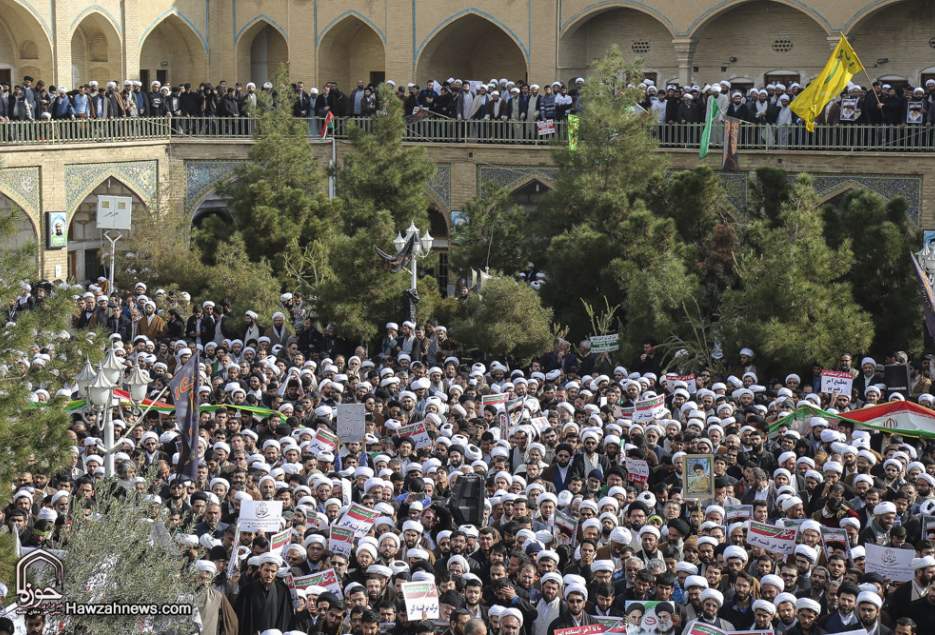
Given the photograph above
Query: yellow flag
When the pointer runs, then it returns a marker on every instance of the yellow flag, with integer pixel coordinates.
(834, 77)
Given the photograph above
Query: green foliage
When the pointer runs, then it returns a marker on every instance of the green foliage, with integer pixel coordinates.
(794, 302)
(615, 157)
(121, 552)
(379, 172)
(358, 295)
(770, 190)
(882, 276)
(506, 320)
(497, 234)
(383, 187)
(33, 438)
(708, 225)
(279, 192)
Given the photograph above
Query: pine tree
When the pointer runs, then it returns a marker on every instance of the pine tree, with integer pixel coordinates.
(379, 172)
(383, 187)
(279, 192)
(882, 237)
(496, 235)
(794, 303)
(505, 321)
(34, 436)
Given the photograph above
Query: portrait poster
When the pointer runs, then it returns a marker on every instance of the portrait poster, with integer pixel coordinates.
(56, 230)
(698, 477)
(649, 618)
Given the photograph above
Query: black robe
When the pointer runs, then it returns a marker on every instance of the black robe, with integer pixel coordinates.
(259, 607)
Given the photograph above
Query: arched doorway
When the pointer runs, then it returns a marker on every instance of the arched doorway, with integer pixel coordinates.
(750, 39)
(25, 48)
(88, 250)
(471, 47)
(529, 196)
(637, 34)
(910, 24)
(438, 228)
(212, 226)
(261, 51)
(173, 52)
(22, 231)
(95, 51)
(351, 52)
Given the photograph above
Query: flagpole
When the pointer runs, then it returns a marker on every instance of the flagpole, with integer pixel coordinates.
(864, 68)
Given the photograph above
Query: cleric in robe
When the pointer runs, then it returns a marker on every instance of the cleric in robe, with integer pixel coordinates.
(264, 601)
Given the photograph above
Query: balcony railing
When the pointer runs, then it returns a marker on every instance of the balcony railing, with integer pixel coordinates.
(843, 137)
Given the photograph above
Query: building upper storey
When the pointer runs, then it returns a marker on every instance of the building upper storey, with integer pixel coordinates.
(71, 42)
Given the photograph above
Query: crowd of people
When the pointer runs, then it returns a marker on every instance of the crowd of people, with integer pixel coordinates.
(519, 102)
(583, 517)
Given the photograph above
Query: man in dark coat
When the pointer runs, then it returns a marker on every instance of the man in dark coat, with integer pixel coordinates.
(264, 601)
(573, 613)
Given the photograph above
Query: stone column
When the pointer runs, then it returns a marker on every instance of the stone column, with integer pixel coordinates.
(683, 53)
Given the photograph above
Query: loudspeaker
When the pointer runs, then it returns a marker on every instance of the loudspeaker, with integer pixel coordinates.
(467, 500)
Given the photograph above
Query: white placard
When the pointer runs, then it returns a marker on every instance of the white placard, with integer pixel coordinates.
(892, 563)
(260, 516)
(836, 381)
(114, 212)
(352, 424)
(421, 601)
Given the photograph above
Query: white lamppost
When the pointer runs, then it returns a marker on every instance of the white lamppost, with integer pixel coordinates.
(137, 382)
(101, 394)
(422, 247)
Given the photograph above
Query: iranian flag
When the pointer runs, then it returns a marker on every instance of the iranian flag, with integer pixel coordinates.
(328, 125)
(897, 417)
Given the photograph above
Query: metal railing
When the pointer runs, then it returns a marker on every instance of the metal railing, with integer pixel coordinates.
(842, 137)
(58, 131)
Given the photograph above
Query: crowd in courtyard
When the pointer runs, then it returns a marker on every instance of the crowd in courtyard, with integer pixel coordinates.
(611, 496)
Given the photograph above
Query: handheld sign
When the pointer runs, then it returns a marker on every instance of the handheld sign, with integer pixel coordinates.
(279, 542)
(341, 541)
(772, 539)
(327, 578)
(260, 516)
(836, 381)
(605, 343)
(421, 601)
(352, 424)
(358, 519)
(892, 563)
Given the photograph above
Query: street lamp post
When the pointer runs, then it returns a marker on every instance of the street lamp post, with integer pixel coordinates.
(421, 247)
(101, 394)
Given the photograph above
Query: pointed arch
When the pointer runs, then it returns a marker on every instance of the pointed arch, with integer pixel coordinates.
(98, 9)
(638, 30)
(840, 189)
(725, 6)
(181, 17)
(102, 179)
(471, 44)
(25, 44)
(174, 44)
(873, 30)
(96, 49)
(25, 228)
(763, 34)
(351, 14)
(871, 7)
(261, 47)
(530, 178)
(350, 51)
(598, 8)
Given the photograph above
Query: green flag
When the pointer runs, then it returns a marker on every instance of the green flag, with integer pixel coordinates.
(572, 132)
(710, 116)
